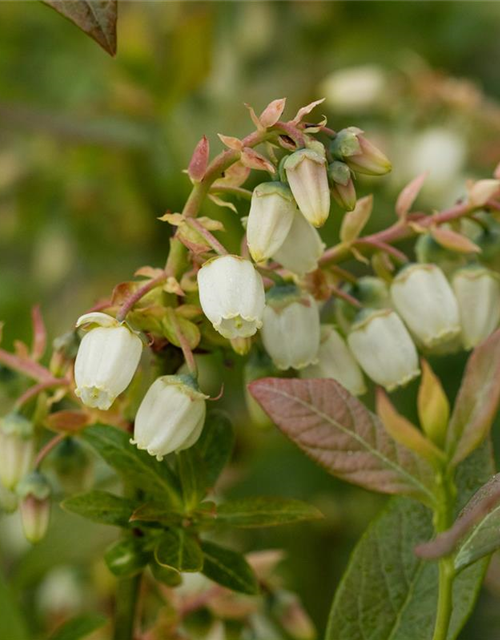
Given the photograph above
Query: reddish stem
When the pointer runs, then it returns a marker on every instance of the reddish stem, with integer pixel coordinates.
(38, 388)
(140, 293)
(45, 450)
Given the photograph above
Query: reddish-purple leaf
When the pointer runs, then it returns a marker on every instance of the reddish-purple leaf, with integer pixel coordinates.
(97, 18)
(409, 194)
(199, 160)
(477, 401)
(340, 434)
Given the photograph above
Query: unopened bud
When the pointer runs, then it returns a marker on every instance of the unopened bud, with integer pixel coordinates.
(34, 493)
(345, 195)
(383, 347)
(339, 172)
(270, 218)
(336, 361)
(291, 328)
(477, 290)
(302, 247)
(351, 146)
(171, 416)
(107, 360)
(221, 283)
(17, 449)
(306, 174)
(427, 304)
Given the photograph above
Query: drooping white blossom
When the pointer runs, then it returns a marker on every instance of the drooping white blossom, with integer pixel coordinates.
(232, 296)
(106, 361)
(306, 173)
(425, 300)
(171, 416)
(302, 247)
(384, 349)
(336, 361)
(291, 329)
(271, 215)
(477, 290)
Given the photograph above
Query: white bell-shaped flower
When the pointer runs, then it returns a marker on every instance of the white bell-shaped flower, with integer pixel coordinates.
(171, 416)
(306, 173)
(232, 296)
(383, 347)
(336, 361)
(271, 216)
(106, 361)
(477, 290)
(291, 328)
(302, 247)
(17, 448)
(425, 300)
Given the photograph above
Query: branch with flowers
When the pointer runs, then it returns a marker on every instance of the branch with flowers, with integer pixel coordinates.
(316, 336)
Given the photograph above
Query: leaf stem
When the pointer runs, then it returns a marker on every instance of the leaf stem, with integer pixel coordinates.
(140, 293)
(125, 607)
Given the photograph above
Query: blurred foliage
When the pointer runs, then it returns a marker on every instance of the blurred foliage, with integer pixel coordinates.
(91, 154)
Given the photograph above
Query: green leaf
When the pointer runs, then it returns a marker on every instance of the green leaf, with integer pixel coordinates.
(12, 623)
(97, 18)
(477, 401)
(338, 432)
(157, 512)
(264, 512)
(100, 506)
(79, 627)
(137, 467)
(229, 569)
(387, 592)
(191, 468)
(179, 550)
(215, 445)
(126, 558)
(165, 575)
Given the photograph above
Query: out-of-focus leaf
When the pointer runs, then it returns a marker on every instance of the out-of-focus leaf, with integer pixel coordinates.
(67, 421)
(179, 550)
(387, 592)
(477, 401)
(229, 569)
(79, 627)
(264, 512)
(138, 467)
(12, 624)
(339, 433)
(215, 445)
(102, 507)
(157, 512)
(97, 18)
(126, 558)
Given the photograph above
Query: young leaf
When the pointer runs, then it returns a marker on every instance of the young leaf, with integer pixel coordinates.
(454, 241)
(229, 569)
(192, 474)
(100, 506)
(387, 592)
(138, 467)
(476, 531)
(79, 627)
(408, 195)
(96, 18)
(264, 512)
(433, 406)
(339, 433)
(126, 558)
(477, 401)
(157, 512)
(272, 113)
(215, 445)
(178, 550)
(404, 432)
(354, 221)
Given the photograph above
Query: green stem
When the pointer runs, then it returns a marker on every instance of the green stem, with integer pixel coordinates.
(125, 607)
(442, 521)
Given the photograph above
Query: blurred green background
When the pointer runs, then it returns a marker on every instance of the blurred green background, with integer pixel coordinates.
(91, 154)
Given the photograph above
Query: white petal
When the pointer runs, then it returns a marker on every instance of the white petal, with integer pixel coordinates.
(95, 317)
(302, 247)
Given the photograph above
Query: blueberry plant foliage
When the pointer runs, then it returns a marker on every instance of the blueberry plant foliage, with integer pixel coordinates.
(316, 337)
